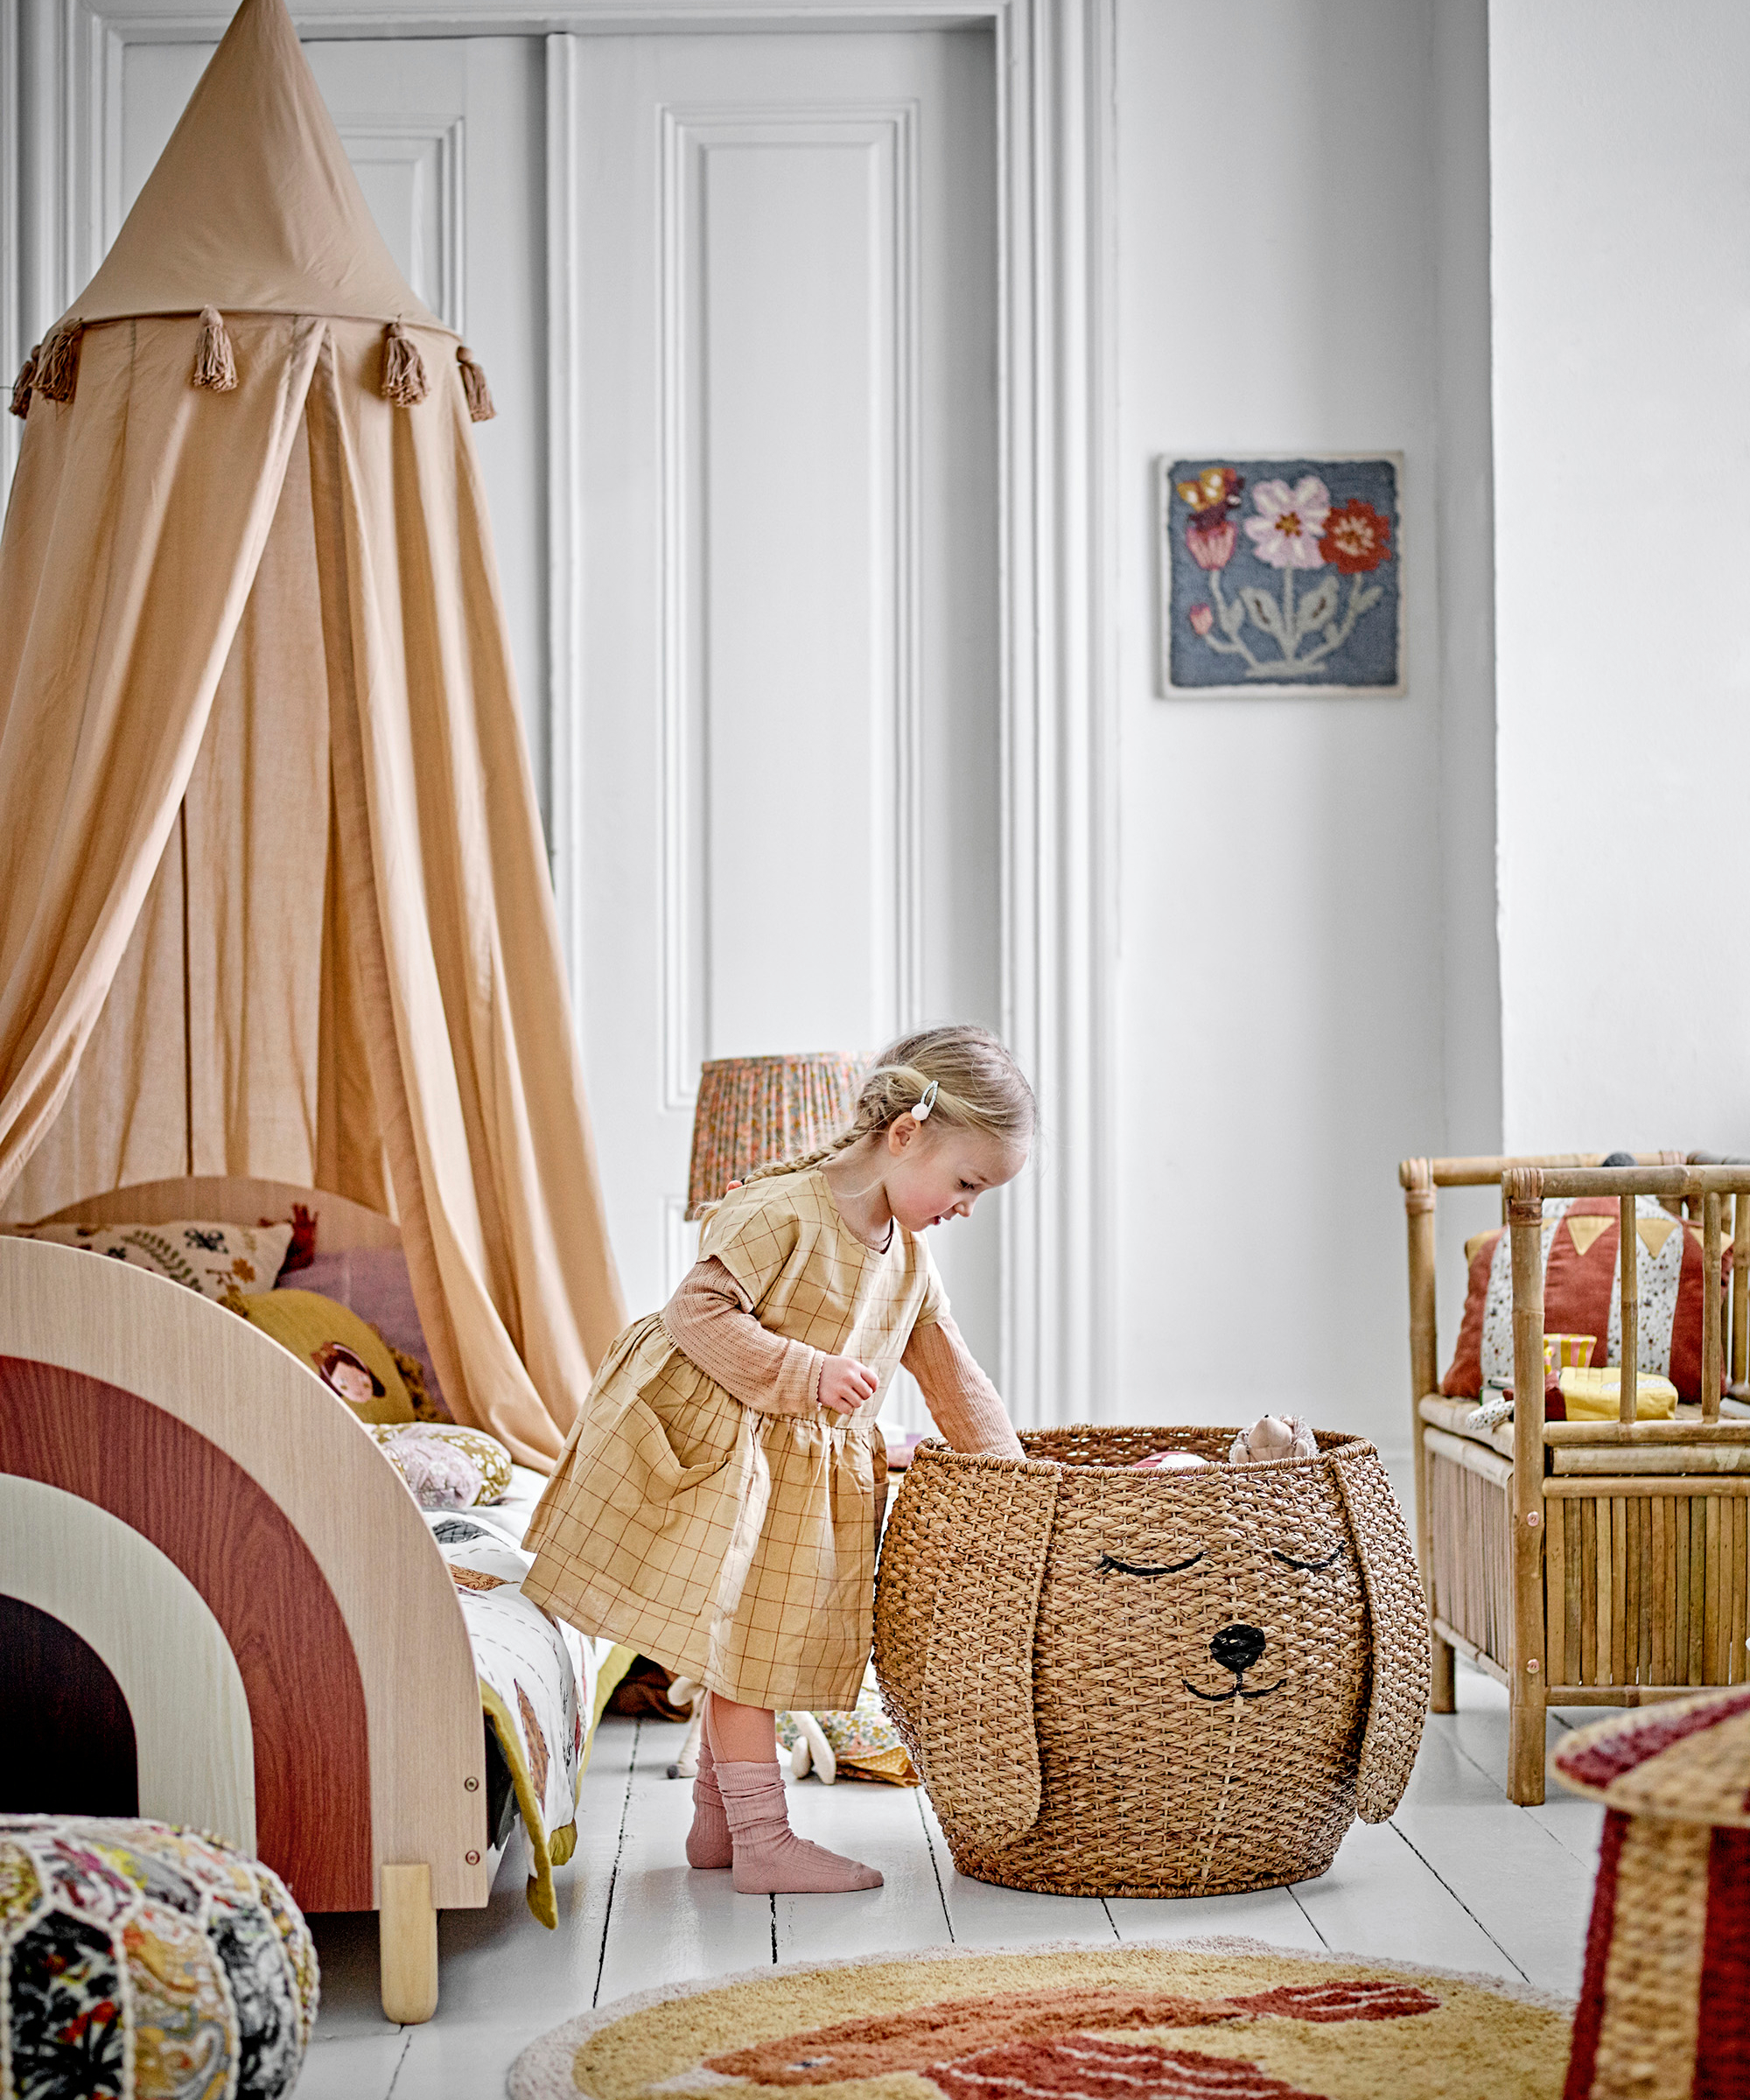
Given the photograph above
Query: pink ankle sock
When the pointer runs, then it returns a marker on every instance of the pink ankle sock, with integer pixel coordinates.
(708, 1842)
(770, 1860)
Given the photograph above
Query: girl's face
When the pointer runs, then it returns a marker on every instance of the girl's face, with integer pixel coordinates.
(934, 1172)
(353, 1385)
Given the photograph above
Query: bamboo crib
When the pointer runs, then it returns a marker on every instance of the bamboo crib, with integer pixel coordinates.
(1591, 1563)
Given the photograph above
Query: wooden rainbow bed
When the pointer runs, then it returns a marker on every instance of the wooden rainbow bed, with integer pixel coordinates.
(228, 1550)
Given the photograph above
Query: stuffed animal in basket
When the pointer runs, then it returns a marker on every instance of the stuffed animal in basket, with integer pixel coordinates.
(1158, 1683)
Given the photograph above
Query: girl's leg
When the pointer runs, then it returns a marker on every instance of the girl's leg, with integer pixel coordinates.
(744, 1734)
(708, 1842)
(769, 1858)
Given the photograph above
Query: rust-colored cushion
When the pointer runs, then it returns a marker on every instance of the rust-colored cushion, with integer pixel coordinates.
(1580, 1293)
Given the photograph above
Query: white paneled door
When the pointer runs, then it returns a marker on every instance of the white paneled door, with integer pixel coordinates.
(737, 297)
(786, 417)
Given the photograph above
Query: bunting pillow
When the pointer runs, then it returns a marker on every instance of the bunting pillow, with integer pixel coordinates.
(1580, 1247)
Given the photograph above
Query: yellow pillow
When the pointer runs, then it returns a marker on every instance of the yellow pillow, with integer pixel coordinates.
(1596, 1396)
(346, 1353)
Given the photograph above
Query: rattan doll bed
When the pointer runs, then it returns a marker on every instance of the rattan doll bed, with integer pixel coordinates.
(1583, 1564)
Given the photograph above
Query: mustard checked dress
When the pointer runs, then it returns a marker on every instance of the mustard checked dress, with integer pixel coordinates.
(732, 1543)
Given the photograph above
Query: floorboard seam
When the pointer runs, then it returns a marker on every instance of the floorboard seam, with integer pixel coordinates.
(1462, 1905)
(1111, 1921)
(1309, 1919)
(940, 1893)
(394, 2075)
(613, 1872)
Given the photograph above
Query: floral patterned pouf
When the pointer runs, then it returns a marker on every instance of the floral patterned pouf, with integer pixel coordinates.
(139, 1961)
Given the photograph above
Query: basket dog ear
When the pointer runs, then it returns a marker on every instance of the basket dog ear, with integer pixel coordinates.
(983, 1768)
(1397, 1612)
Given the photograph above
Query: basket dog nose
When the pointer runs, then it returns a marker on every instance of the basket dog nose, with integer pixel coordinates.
(1237, 1647)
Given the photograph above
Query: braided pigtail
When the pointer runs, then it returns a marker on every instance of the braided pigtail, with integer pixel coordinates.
(962, 1077)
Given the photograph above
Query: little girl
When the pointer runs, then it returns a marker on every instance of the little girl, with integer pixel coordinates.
(715, 1505)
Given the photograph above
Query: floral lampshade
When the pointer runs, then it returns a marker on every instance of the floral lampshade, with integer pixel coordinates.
(752, 1111)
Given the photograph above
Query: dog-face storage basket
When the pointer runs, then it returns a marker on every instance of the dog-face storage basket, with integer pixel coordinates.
(1151, 1684)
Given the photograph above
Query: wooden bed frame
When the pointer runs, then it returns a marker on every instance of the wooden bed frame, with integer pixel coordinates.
(190, 1501)
(1584, 1563)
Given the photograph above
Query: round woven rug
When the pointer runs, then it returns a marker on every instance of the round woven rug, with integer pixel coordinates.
(1178, 2020)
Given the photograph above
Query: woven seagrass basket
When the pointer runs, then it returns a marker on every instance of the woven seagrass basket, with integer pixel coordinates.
(1158, 1684)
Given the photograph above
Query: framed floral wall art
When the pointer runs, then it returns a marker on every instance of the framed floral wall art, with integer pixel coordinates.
(1281, 575)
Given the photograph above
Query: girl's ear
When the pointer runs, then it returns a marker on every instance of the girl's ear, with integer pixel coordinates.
(901, 1133)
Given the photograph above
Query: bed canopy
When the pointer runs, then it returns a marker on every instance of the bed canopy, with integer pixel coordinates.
(273, 898)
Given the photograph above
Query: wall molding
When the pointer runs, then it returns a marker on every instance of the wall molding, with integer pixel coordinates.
(1055, 61)
(688, 138)
(409, 139)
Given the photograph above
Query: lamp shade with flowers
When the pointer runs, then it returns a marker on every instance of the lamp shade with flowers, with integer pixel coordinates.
(752, 1111)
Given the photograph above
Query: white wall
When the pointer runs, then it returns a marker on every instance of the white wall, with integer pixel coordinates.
(1308, 968)
(1622, 202)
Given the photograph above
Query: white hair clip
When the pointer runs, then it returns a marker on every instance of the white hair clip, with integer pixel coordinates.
(921, 1112)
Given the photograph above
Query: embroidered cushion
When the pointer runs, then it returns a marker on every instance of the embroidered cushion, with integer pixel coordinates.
(373, 1282)
(146, 1960)
(211, 1258)
(1581, 1248)
(447, 1467)
(349, 1355)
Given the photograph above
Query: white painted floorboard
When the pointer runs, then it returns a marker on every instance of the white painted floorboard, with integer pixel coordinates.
(1459, 1878)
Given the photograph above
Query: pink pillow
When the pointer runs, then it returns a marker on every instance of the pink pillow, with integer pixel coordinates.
(373, 1282)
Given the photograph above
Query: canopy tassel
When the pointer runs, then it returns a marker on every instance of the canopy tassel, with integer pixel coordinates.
(21, 386)
(404, 379)
(215, 368)
(58, 362)
(481, 408)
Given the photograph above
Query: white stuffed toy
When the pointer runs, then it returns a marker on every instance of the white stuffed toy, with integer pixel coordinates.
(1272, 1437)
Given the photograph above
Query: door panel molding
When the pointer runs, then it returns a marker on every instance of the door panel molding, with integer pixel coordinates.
(1054, 59)
(690, 140)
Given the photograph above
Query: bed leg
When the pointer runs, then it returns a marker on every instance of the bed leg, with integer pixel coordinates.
(1442, 1695)
(407, 1926)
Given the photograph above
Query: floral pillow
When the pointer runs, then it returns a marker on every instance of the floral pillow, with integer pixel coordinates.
(213, 1259)
(446, 1466)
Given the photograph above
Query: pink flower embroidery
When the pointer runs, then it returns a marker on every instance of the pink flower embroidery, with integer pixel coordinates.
(1201, 617)
(1287, 531)
(1212, 540)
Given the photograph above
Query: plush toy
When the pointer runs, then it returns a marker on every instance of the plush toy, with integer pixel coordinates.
(1272, 1437)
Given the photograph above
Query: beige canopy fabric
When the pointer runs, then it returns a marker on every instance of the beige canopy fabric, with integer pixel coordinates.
(273, 898)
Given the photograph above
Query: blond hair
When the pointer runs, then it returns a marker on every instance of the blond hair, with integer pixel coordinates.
(978, 1087)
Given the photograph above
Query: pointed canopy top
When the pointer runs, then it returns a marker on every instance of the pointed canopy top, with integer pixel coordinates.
(253, 206)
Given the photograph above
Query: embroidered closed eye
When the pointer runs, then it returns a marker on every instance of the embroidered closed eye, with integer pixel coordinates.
(1110, 1564)
(1311, 1566)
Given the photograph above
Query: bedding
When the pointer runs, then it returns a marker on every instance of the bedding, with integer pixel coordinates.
(373, 1283)
(346, 1353)
(444, 1465)
(211, 1257)
(541, 1688)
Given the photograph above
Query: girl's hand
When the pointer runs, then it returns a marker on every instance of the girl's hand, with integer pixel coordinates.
(846, 1384)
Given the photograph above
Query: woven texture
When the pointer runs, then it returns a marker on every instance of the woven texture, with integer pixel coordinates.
(1178, 1683)
(1215, 2019)
(752, 1111)
(1665, 2006)
(147, 1962)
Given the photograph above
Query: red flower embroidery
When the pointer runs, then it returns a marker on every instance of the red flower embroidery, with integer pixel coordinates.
(1201, 617)
(1355, 538)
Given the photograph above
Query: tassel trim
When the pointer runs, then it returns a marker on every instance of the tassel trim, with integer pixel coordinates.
(21, 386)
(481, 408)
(58, 363)
(215, 367)
(403, 375)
